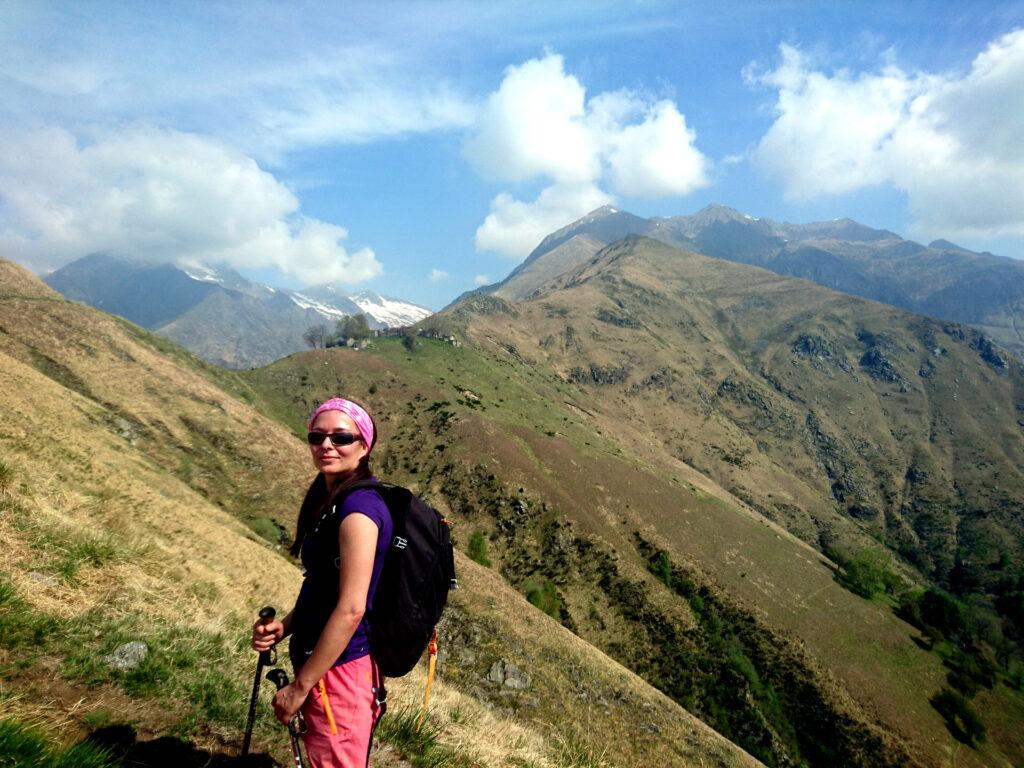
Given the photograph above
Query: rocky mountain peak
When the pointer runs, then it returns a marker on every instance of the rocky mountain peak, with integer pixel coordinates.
(945, 245)
(715, 212)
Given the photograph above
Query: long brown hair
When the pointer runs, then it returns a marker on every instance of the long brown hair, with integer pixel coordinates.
(318, 500)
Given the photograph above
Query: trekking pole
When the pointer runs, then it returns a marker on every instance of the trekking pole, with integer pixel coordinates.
(267, 657)
(297, 725)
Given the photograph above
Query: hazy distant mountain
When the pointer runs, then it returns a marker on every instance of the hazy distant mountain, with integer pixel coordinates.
(942, 279)
(215, 312)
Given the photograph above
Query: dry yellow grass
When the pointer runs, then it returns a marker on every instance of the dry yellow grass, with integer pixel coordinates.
(167, 537)
(94, 431)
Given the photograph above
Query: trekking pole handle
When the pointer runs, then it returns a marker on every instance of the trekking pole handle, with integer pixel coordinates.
(279, 678)
(297, 726)
(267, 614)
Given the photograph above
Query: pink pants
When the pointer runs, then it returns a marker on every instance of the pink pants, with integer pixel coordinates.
(341, 713)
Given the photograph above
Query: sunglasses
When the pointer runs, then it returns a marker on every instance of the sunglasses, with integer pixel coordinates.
(337, 438)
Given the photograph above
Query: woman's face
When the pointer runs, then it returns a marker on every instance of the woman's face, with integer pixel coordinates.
(336, 461)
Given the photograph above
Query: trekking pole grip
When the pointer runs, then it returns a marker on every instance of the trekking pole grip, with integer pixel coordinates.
(279, 678)
(267, 614)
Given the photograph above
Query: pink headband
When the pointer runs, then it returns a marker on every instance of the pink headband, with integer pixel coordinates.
(362, 419)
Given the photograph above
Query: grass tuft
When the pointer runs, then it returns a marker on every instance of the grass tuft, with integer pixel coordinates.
(422, 747)
(6, 475)
(20, 626)
(24, 747)
(573, 753)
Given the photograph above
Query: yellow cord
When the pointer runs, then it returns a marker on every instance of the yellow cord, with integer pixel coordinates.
(327, 707)
(431, 666)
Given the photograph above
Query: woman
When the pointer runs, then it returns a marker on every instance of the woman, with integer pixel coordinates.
(342, 547)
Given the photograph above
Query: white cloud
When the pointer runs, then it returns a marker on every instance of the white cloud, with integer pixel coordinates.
(277, 83)
(952, 143)
(539, 125)
(513, 225)
(481, 280)
(160, 196)
(657, 157)
(438, 275)
(343, 103)
(533, 125)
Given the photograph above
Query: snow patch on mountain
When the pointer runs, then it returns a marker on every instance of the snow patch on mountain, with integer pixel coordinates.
(331, 303)
(305, 302)
(203, 274)
(390, 312)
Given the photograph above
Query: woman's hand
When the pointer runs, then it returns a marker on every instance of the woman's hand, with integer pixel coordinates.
(287, 702)
(266, 636)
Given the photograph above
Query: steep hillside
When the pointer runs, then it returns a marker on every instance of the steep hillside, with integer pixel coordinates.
(549, 264)
(577, 521)
(632, 445)
(831, 415)
(142, 498)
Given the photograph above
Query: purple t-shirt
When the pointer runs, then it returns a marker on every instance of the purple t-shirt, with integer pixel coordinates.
(317, 598)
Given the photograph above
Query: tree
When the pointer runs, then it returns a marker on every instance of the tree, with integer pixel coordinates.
(866, 573)
(353, 327)
(437, 326)
(316, 336)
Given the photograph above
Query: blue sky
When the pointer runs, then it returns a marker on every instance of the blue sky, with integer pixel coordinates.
(419, 148)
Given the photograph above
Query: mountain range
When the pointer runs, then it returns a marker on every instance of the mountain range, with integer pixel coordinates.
(940, 280)
(705, 513)
(217, 314)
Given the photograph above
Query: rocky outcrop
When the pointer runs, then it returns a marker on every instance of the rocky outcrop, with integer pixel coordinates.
(598, 374)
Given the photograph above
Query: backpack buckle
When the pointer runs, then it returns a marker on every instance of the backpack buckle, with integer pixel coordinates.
(400, 543)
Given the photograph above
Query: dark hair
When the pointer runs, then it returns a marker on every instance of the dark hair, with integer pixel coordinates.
(318, 500)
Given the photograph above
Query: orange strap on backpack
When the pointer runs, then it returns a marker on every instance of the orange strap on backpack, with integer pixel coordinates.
(432, 665)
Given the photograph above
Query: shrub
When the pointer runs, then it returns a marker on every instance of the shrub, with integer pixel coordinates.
(962, 721)
(867, 573)
(478, 549)
(544, 596)
(267, 529)
(946, 614)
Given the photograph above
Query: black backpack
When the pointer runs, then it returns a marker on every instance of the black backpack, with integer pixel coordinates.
(418, 572)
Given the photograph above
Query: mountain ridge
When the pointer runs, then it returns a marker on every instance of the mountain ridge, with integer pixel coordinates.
(950, 283)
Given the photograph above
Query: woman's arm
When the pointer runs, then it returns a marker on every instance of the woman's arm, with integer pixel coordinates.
(357, 546)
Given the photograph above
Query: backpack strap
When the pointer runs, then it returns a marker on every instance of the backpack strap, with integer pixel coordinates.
(431, 666)
(331, 512)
